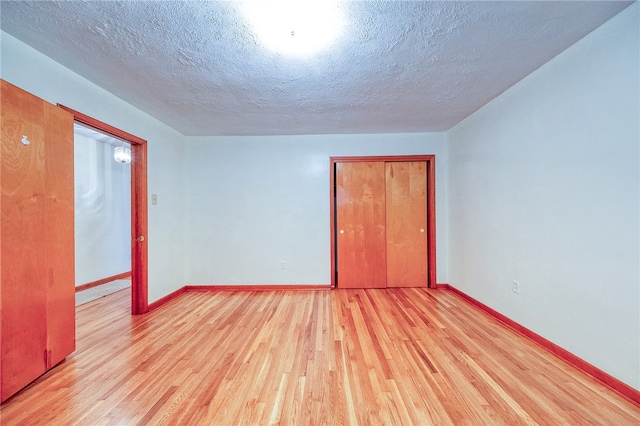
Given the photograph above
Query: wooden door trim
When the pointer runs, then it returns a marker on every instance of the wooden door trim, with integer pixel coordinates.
(431, 206)
(139, 208)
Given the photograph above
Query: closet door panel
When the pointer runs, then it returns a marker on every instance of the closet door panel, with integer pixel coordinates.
(360, 224)
(406, 214)
(59, 234)
(23, 267)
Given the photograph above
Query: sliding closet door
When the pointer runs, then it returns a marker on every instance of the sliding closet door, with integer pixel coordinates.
(59, 234)
(23, 221)
(360, 225)
(36, 238)
(381, 223)
(406, 213)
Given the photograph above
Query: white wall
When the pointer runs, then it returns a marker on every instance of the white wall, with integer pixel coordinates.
(253, 202)
(102, 211)
(544, 189)
(36, 73)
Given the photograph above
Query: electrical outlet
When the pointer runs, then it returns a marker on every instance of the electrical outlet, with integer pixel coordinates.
(283, 265)
(516, 287)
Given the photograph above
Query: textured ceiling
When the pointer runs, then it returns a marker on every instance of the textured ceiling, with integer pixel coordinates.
(397, 66)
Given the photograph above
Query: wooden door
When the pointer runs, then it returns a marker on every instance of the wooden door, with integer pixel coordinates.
(360, 225)
(406, 214)
(37, 288)
(23, 274)
(59, 234)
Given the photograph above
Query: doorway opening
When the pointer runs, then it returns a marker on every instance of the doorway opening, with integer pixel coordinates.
(139, 208)
(102, 210)
(376, 233)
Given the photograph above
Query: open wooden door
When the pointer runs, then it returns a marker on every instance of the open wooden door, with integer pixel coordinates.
(37, 285)
(59, 234)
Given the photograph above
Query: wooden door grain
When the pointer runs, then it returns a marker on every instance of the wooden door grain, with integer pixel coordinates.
(37, 258)
(360, 224)
(406, 223)
(59, 233)
(419, 179)
(23, 272)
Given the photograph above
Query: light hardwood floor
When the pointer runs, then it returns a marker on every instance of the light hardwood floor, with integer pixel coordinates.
(342, 357)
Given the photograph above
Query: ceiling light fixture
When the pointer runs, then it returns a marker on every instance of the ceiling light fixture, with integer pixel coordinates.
(122, 154)
(295, 27)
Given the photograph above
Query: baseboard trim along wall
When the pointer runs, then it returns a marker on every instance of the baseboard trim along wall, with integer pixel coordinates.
(103, 281)
(256, 287)
(166, 299)
(186, 288)
(607, 379)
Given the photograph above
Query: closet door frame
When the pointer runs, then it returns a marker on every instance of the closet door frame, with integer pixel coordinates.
(431, 206)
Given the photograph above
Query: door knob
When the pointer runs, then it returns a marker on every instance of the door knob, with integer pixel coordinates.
(421, 229)
(342, 231)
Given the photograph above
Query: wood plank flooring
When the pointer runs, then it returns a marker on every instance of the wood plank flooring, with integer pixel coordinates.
(341, 357)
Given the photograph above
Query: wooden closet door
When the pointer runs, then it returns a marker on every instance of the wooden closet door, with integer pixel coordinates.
(406, 213)
(37, 288)
(23, 259)
(360, 224)
(59, 234)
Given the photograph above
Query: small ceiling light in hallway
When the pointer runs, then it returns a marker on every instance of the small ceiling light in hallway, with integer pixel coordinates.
(122, 154)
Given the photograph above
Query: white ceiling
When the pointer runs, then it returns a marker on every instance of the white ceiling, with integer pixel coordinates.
(397, 67)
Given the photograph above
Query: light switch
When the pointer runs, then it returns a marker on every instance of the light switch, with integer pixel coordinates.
(154, 199)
